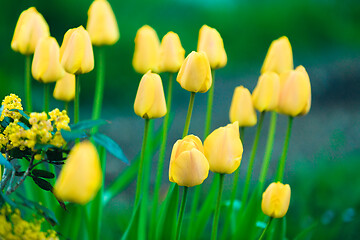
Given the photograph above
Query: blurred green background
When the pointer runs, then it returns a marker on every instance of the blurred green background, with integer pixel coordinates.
(324, 150)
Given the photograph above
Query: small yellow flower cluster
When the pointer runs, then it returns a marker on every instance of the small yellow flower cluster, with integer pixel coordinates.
(11, 102)
(13, 227)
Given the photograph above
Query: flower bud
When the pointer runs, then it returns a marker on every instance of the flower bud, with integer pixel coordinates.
(150, 98)
(46, 65)
(223, 149)
(102, 26)
(172, 54)
(195, 73)
(81, 175)
(242, 109)
(266, 93)
(65, 88)
(147, 50)
(212, 44)
(30, 28)
(308, 103)
(276, 200)
(76, 52)
(188, 165)
(279, 57)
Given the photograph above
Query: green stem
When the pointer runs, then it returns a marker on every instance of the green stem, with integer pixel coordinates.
(188, 115)
(193, 210)
(268, 150)
(46, 97)
(266, 228)
(251, 161)
(100, 81)
(281, 167)
(28, 83)
(77, 99)
(217, 209)
(66, 107)
(209, 106)
(181, 214)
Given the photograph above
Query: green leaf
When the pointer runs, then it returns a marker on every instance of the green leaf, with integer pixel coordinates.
(6, 121)
(8, 200)
(23, 125)
(88, 124)
(5, 162)
(43, 184)
(70, 136)
(42, 173)
(22, 113)
(132, 229)
(305, 234)
(55, 155)
(111, 146)
(44, 147)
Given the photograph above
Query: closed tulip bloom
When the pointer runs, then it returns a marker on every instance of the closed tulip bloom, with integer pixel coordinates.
(65, 88)
(212, 44)
(266, 93)
(276, 200)
(147, 50)
(102, 26)
(46, 65)
(76, 52)
(172, 54)
(188, 164)
(242, 109)
(195, 73)
(150, 98)
(30, 28)
(279, 57)
(223, 149)
(81, 175)
(308, 103)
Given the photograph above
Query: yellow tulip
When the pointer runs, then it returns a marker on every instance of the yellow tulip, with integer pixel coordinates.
(266, 93)
(212, 44)
(195, 73)
(172, 54)
(242, 109)
(102, 26)
(188, 164)
(276, 200)
(223, 149)
(65, 88)
(150, 98)
(46, 65)
(81, 175)
(30, 28)
(295, 93)
(147, 50)
(279, 57)
(76, 52)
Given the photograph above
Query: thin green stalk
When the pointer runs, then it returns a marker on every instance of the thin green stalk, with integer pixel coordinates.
(217, 209)
(66, 107)
(268, 150)
(188, 116)
(281, 167)
(209, 106)
(266, 228)
(77, 99)
(100, 81)
(181, 214)
(251, 161)
(28, 83)
(46, 97)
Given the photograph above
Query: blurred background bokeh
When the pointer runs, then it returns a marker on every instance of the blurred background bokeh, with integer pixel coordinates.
(324, 153)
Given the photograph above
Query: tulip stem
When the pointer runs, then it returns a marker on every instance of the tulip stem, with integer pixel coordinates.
(99, 88)
(209, 106)
(28, 83)
(266, 228)
(181, 214)
(66, 107)
(46, 97)
(77, 99)
(188, 116)
(217, 209)
(281, 167)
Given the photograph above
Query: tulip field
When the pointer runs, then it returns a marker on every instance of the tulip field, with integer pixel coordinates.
(130, 121)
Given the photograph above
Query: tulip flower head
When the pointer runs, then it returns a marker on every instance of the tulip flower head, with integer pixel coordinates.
(65, 88)
(172, 54)
(266, 93)
(276, 200)
(30, 28)
(223, 149)
(150, 97)
(188, 164)
(195, 73)
(76, 52)
(279, 57)
(102, 26)
(81, 175)
(242, 109)
(212, 44)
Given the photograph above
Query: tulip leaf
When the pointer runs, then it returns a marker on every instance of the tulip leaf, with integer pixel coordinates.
(43, 184)
(42, 173)
(5, 162)
(88, 124)
(305, 233)
(277, 229)
(132, 229)
(70, 136)
(111, 146)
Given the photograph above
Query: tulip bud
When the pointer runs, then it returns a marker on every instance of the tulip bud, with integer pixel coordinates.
(46, 65)
(276, 200)
(102, 26)
(147, 50)
(279, 57)
(212, 44)
(266, 93)
(30, 28)
(150, 98)
(295, 93)
(81, 175)
(65, 88)
(242, 109)
(172, 54)
(223, 149)
(76, 52)
(195, 73)
(188, 164)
